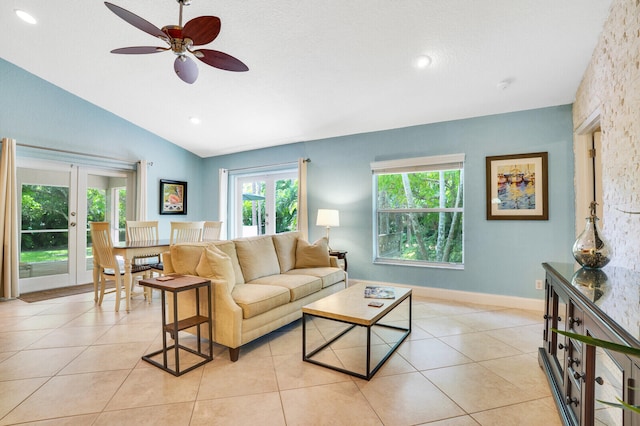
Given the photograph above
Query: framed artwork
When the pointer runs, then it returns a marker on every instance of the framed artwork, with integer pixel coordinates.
(517, 187)
(173, 197)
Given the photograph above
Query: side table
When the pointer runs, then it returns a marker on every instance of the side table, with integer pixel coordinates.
(177, 284)
(341, 255)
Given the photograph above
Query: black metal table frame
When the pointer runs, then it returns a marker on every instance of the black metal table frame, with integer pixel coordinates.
(176, 328)
(369, 372)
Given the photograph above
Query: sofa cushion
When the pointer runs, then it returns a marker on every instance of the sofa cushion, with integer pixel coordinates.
(312, 255)
(255, 299)
(216, 264)
(229, 248)
(257, 257)
(286, 244)
(186, 256)
(299, 285)
(328, 275)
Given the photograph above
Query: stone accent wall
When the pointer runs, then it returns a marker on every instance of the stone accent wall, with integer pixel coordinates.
(612, 84)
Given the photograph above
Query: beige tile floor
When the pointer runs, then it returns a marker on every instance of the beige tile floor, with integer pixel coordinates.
(68, 362)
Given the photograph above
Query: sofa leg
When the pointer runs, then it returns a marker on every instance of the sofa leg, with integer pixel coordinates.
(234, 353)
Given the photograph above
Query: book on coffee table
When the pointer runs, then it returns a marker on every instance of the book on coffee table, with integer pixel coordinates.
(377, 292)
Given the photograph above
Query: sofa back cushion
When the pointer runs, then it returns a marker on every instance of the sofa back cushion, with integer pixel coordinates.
(186, 256)
(216, 264)
(312, 255)
(286, 244)
(257, 257)
(229, 248)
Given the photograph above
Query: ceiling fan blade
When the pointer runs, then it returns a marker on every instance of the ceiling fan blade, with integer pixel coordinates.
(186, 69)
(220, 60)
(202, 30)
(139, 50)
(135, 20)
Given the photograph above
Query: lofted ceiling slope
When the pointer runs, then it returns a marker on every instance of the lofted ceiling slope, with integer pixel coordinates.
(317, 69)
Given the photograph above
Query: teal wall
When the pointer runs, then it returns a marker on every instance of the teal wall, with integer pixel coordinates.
(501, 257)
(35, 112)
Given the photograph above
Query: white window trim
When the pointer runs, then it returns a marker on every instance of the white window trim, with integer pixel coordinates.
(413, 165)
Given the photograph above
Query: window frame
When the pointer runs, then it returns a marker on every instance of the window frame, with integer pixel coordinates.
(415, 165)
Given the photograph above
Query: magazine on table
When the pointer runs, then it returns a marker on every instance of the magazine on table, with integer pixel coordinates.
(377, 292)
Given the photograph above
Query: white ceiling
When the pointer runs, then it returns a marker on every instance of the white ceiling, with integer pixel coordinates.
(318, 68)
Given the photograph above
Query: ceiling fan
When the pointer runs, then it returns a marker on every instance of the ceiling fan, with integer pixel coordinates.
(197, 32)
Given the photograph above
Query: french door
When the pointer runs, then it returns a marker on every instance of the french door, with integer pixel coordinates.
(265, 203)
(57, 201)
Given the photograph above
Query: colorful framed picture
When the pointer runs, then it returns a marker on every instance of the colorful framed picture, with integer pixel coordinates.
(517, 187)
(173, 197)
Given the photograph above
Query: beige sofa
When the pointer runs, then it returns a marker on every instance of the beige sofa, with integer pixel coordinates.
(259, 284)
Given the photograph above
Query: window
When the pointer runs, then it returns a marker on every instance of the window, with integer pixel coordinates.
(419, 211)
(266, 203)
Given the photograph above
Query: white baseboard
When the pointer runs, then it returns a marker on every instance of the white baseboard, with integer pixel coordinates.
(467, 296)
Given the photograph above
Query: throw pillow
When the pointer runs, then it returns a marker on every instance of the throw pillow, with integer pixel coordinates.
(286, 249)
(312, 255)
(215, 264)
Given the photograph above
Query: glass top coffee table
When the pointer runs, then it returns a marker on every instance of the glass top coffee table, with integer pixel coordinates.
(342, 332)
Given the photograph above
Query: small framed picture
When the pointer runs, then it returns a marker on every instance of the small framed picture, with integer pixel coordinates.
(517, 187)
(173, 197)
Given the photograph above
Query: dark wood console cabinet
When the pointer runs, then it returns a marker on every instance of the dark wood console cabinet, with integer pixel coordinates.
(604, 304)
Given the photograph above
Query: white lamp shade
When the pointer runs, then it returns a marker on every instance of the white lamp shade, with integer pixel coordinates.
(328, 217)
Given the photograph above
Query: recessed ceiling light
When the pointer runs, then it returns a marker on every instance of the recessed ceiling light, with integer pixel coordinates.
(423, 61)
(504, 84)
(26, 17)
(194, 120)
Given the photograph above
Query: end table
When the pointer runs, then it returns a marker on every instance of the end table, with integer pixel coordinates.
(176, 284)
(341, 255)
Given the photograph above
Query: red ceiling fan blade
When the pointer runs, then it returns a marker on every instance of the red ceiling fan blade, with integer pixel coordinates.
(202, 30)
(135, 20)
(139, 50)
(220, 60)
(186, 69)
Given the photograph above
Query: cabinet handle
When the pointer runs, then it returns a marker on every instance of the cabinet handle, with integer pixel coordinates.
(576, 321)
(572, 361)
(561, 346)
(578, 376)
(546, 316)
(570, 400)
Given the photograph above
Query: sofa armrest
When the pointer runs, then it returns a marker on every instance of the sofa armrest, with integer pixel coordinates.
(227, 316)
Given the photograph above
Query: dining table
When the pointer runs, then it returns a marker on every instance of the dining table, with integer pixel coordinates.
(128, 250)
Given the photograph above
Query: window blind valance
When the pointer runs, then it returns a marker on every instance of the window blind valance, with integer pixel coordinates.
(419, 164)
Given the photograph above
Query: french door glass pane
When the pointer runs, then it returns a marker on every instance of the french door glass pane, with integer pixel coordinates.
(286, 205)
(44, 236)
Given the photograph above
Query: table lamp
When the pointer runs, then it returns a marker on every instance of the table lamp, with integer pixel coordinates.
(328, 218)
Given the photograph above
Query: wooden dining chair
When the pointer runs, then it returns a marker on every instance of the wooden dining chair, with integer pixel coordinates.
(145, 230)
(142, 230)
(211, 231)
(186, 232)
(110, 266)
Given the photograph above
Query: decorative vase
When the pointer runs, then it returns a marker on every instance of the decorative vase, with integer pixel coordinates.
(591, 250)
